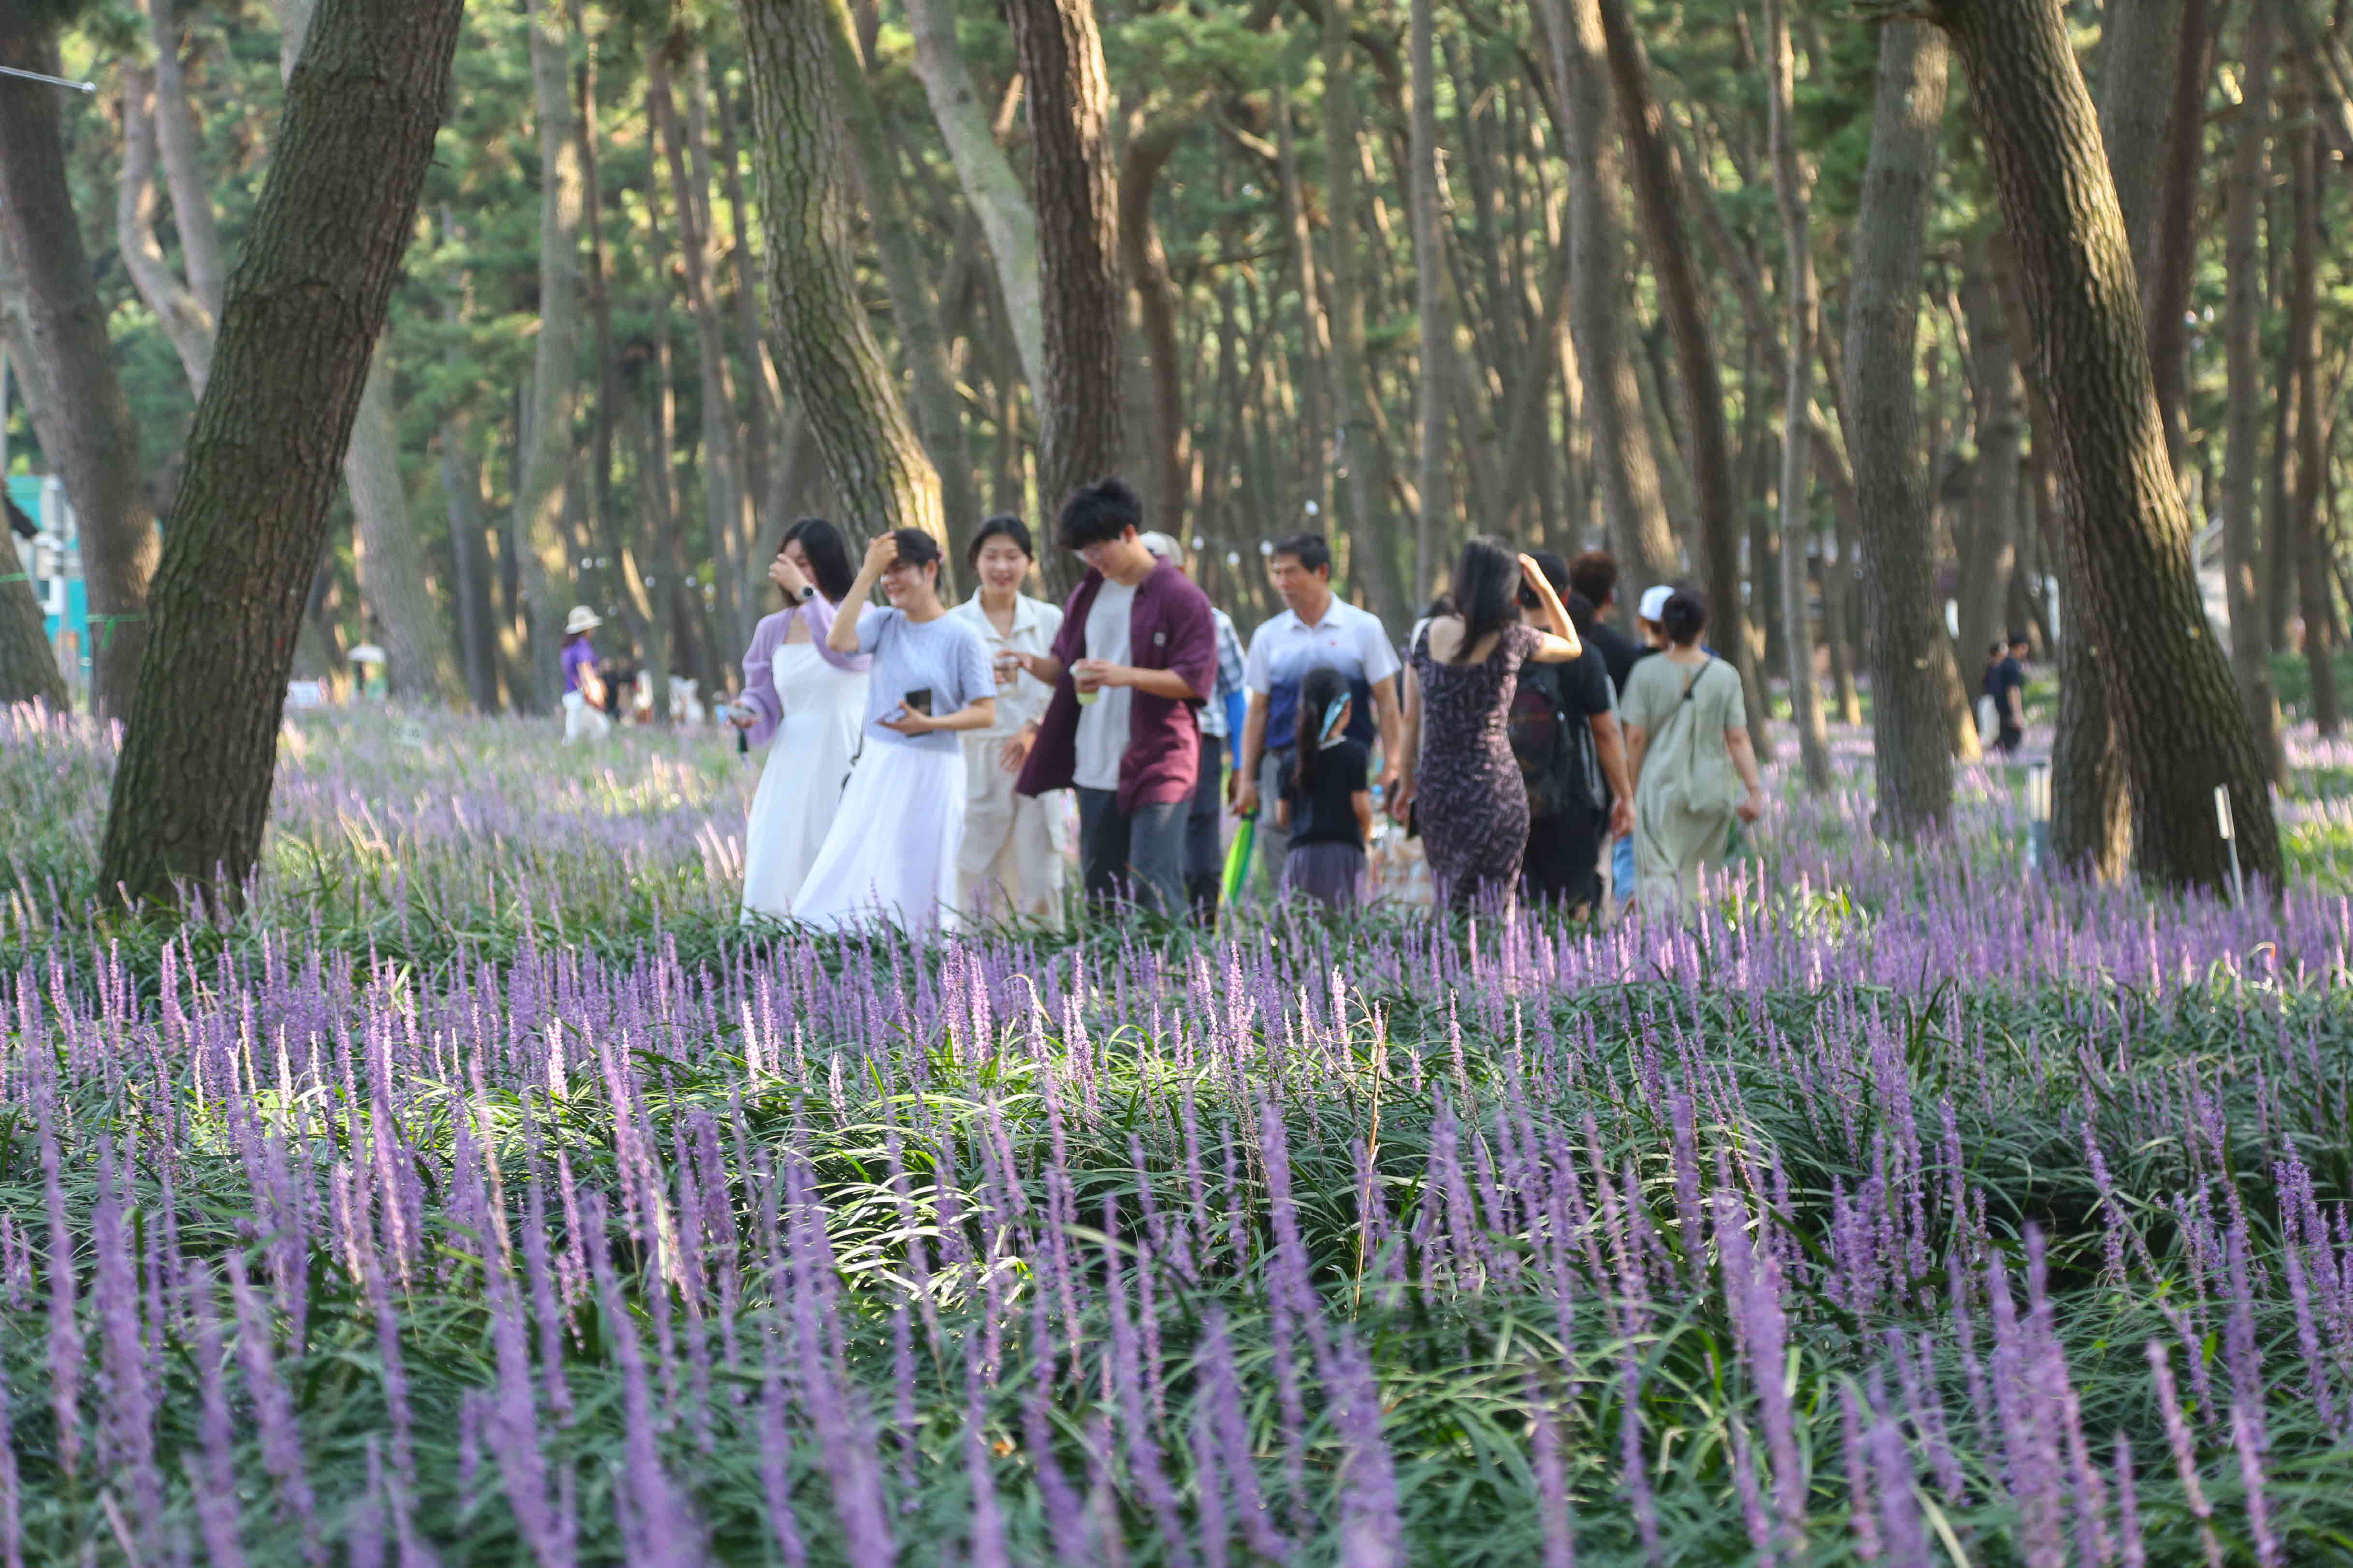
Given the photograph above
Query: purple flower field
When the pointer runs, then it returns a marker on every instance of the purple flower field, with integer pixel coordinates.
(483, 1195)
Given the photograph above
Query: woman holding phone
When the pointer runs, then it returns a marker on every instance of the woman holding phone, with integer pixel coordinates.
(808, 700)
(892, 851)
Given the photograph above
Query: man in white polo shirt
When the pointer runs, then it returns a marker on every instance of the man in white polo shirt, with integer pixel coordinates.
(1319, 628)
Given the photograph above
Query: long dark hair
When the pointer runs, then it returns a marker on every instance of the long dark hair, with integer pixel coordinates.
(828, 556)
(1485, 592)
(1322, 687)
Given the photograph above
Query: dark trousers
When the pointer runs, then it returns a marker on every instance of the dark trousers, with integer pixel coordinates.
(1135, 857)
(1562, 864)
(1204, 847)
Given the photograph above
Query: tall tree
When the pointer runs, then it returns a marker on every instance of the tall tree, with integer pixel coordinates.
(2168, 688)
(84, 424)
(2249, 284)
(1803, 294)
(1624, 465)
(986, 178)
(831, 360)
(28, 666)
(544, 463)
(2313, 545)
(1659, 198)
(304, 313)
(1911, 756)
(1988, 549)
(1072, 190)
(1432, 302)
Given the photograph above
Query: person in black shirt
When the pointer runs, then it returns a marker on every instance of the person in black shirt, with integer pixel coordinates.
(2005, 682)
(1593, 581)
(1572, 758)
(1327, 803)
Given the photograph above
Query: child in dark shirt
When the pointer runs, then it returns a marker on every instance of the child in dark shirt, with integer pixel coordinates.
(1326, 803)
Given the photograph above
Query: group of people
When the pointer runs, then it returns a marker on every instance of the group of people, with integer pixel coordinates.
(932, 764)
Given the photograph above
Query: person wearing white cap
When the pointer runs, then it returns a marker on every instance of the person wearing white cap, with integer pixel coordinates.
(584, 688)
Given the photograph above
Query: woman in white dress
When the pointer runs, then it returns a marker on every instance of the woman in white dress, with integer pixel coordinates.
(810, 699)
(1012, 859)
(892, 852)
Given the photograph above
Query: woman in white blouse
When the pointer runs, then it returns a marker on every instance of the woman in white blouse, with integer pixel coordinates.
(1013, 844)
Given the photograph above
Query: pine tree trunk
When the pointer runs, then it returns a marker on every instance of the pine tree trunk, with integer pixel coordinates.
(2243, 535)
(304, 310)
(986, 176)
(545, 462)
(1992, 545)
(2314, 588)
(1803, 295)
(839, 380)
(1624, 464)
(1072, 189)
(182, 150)
(764, 410)
(1912, 755)
(1430, 301)
(84, 424)
(1149, 147)
(1318, 419)
(185, 320)
(1657, 197)
(418, 663)
(2173, 242)
(461, 486)
(2168, 688)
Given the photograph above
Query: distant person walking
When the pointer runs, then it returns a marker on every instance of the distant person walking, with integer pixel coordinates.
(1695, 770)
(1137, 655)
(1653, 642)
(1012, 859)
(1461, 779)
(1205, 817)
(584, 683)
(892, 851)
(1565, 735)
(2005, 684)
(1317, 627)
(1326, 804)
(805, 702)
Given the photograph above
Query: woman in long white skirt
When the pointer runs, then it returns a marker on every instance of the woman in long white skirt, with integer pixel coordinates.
(1012, 865)
(807, 701)
(892, 852)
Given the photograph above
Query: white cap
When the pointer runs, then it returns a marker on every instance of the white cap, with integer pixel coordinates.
(1654, 601)
(581, 619)
(1163, 546)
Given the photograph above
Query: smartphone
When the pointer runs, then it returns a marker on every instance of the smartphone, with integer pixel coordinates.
(919, 701)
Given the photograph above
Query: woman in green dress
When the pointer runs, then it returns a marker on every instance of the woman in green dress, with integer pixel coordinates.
(1687, 747)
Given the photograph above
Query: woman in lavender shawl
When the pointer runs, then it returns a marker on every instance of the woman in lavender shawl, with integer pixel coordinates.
(812, 702)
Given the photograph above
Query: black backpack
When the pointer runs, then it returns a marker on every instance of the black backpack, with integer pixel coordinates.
(1552, 746)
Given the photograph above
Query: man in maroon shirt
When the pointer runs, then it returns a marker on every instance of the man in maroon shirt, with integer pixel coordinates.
(1137, 654)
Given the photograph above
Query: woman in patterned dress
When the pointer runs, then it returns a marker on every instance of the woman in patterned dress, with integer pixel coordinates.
(1459, 771)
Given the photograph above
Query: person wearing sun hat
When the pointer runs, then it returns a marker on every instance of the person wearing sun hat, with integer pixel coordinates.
(584, 688)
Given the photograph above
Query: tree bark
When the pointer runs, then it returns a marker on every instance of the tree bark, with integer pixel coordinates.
(2167, 685)
(469, 528)
(1436, 321)
(187, 322)
(986, 178)
(1651, 164)
(304, 310)
(1149, 146)
(839, 380)
(1072, 189)
(1991, 547)
(1623, 461)
(1803, 294)
(764, 410)
(725, 505)
(84, 421)
(2140, 41)
(1912, 757)
(2173, 244)
(2314, 589)
(391, 561)
(2248, 287)
(28, 666)
(546, 464)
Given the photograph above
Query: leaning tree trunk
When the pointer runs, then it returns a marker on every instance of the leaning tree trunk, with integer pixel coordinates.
(1804, 296)
(1430, 300)
(85, 425)
(304, 310)
(1622, 460)
(2168, 688)
(831, 360)
(1072, 189)
(1660, 201)
(2312, 537)
(545, 460)
(2249, 284)
(1912, 755)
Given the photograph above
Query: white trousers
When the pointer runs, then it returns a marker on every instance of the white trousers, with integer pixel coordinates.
(1011, 863)
(582, 723)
